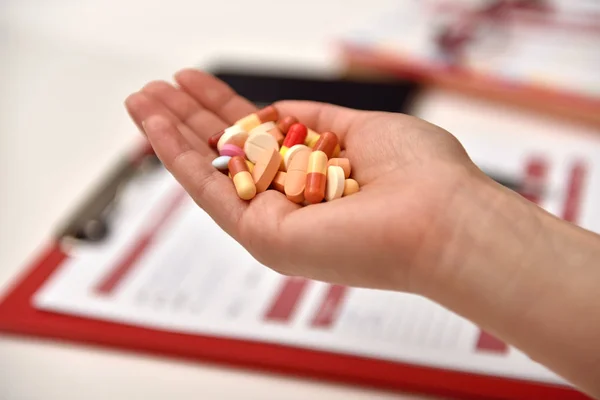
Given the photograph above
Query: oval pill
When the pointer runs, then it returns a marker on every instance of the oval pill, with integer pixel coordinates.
(221, 162)
(279, 181)
(266, 168)
(335, 183)
(341, 162)
(285, 123)
(295, 183)
(316, 177)
(233, 135)
(257, 144)
(244, 184)
(214, 139)
(292, 151)
(231, 150)
(350, 187)
(326, 143)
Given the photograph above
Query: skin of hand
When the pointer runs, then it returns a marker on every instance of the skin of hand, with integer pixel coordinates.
(426, 219)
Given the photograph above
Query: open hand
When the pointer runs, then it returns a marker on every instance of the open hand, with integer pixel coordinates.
(411, 175)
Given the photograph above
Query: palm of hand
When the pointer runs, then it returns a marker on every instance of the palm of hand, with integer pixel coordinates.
(408, 171)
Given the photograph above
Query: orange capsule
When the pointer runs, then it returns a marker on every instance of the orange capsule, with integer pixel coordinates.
(327, 143)
(316, 177)
(253, 120)
(284, 124)
(244, 184)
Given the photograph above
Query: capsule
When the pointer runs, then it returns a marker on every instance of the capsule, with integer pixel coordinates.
(295, 183)
(253, 120)
(244, 184)
(341, 162)
(327, 143)
(214, 139)
(316, 177)
(285, 123)
(311, 138)
(296, 135)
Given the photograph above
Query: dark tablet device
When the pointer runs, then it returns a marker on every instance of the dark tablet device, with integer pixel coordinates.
(264, 88)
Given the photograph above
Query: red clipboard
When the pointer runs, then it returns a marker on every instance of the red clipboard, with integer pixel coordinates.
(19, 317)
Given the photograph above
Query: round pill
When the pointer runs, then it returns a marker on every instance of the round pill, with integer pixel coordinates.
(350, 187)
(335, 183)
(266, 168)
(258, 144)
(231, 150)
(266, 127)
(233, 135)
(221, 162)
(289, 155)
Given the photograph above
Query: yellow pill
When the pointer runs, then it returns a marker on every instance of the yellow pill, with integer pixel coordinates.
(350, 187)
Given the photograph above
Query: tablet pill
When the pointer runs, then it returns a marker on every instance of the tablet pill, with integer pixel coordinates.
(231, 150)
(295, 135)
(350, 187)
(335, 183)
(233, 135)
(326, 143)
(341, 162)
(262, 128)
(214, 139)
(266, 168)
(257, 144)
(289, 155)
(279, 181)
(244, 184)
(253, 120)
(221, 162)
(285, 123)
(295, 182)
(316, 176)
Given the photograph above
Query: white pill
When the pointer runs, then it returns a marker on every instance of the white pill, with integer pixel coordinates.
(266, 127)
(220, 163)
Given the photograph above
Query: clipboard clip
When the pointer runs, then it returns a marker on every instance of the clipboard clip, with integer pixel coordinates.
(89, 223)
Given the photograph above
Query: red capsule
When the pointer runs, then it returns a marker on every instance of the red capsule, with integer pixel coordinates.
(326, 143)
(295, 135)
(214, 139)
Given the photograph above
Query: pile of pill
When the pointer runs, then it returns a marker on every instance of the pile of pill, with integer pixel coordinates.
(261, 151)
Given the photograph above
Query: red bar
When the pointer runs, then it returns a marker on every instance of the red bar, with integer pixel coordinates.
(287, 300)
(330, 307)
(534, 183)
(574, 191)
(110, 282)
(487, 342)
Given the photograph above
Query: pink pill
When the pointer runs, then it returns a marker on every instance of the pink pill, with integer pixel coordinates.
(232, 150)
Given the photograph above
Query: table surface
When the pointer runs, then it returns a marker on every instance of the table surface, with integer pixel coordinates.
(66, 68)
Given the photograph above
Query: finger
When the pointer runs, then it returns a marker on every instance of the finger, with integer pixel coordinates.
(210, 189)
(140, 107)
(215, 95)
(322, 117)
(200, 120)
